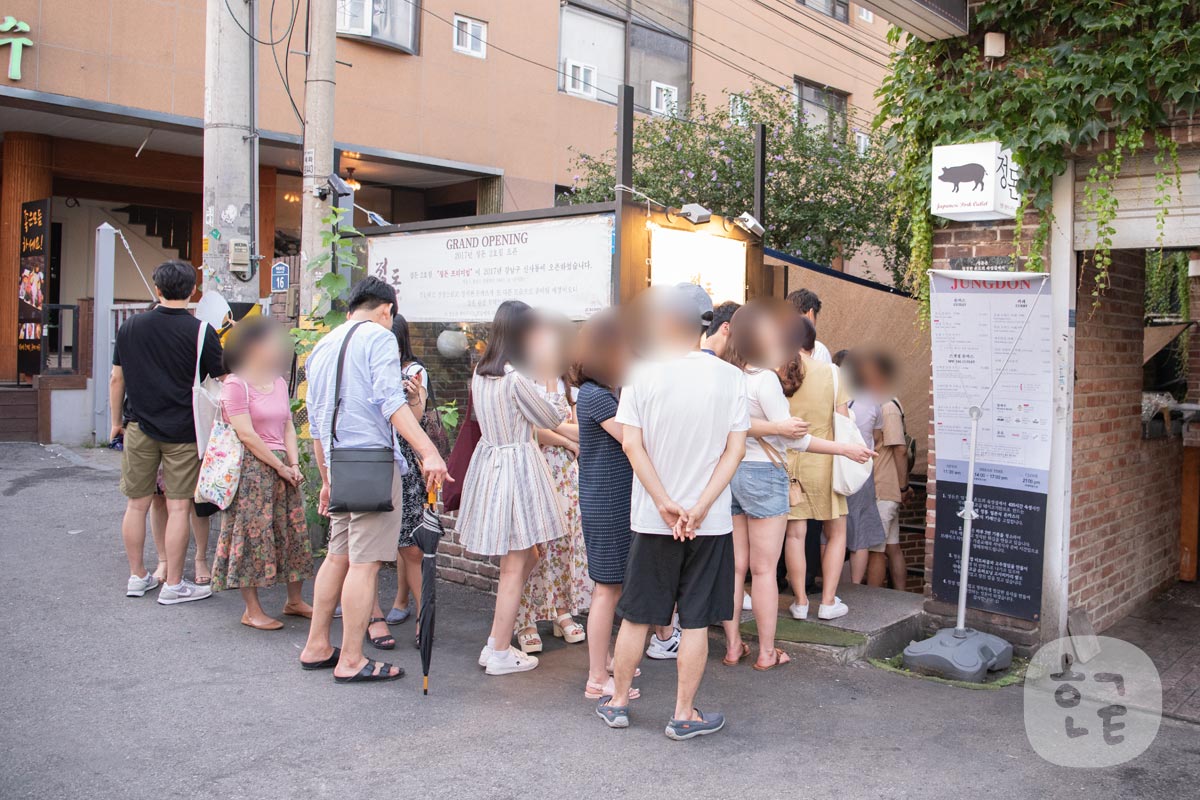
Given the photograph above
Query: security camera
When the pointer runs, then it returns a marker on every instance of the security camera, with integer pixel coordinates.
(339, 186)
(748, 223)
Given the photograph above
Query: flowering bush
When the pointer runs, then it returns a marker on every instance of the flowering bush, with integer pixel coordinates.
(824, 199)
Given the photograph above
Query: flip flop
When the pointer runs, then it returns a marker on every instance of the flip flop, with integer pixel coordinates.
(738, 660)
(385, 642)
(778, 662)
(328, 663)
(368, 673)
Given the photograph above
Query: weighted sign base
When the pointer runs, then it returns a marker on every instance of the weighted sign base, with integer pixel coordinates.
(959, 655)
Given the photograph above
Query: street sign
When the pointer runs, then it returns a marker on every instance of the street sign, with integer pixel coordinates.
(281, 277)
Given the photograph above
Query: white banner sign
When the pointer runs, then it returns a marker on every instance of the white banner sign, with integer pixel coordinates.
(462, 275)
(992, 348)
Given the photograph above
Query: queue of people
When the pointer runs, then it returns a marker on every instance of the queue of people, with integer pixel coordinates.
(640, 468)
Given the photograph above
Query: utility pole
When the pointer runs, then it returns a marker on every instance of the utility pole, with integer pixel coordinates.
(229, 242)
(319, 87)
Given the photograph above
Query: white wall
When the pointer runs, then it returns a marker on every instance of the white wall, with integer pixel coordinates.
(71, 416)
(78, 257)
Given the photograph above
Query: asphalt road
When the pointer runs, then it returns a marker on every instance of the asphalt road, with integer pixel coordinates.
(109, 697)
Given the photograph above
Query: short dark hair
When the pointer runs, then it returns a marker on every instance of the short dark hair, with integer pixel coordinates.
(242, 337)
(722, 314)
(175, 279)
(369, 294)
(805, 300)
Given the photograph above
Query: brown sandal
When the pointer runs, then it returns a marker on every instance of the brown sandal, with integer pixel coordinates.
(779, 661)
(738, 660)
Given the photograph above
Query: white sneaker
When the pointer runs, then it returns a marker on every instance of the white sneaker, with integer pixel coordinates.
(515, 661)
(137, 587)
(664, 650)
(185, 592)
(485, 654)
(838, 609)
(798, 611)
(746, 604)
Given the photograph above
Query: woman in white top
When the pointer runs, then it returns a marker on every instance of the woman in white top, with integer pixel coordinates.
(758, 345)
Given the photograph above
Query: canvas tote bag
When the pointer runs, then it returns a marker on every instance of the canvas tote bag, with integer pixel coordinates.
(206, 398)
(848, 476)
(360, 478)
(221, 466)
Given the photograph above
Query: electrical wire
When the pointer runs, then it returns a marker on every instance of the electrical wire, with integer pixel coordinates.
(491, 44)
(287, 54)
(238, 22)
(800, 24)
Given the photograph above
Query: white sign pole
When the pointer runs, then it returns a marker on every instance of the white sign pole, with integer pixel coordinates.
(967, 515)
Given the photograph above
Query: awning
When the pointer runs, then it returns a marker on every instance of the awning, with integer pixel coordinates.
(1156, 337)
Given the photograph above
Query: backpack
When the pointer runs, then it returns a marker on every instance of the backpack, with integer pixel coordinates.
(910, 444)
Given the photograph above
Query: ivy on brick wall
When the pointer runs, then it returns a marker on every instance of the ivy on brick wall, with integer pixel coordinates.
(1074, 70)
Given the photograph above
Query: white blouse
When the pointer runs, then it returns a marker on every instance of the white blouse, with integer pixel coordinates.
(768, 403)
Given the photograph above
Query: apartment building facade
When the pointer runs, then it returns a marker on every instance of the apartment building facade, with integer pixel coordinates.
(444, 108)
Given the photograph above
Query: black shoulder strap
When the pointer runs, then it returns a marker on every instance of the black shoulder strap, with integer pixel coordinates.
(896, 400)
(337, 383)
(428, 380)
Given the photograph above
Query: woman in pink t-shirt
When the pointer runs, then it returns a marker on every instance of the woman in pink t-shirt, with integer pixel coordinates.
(264, 537)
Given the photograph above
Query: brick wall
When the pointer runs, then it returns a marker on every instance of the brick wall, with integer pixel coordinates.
(1126, 490)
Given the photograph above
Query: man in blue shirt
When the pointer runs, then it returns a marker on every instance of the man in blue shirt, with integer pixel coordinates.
(373, 410)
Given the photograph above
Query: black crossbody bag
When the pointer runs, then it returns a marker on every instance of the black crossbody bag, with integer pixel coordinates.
(360, 478)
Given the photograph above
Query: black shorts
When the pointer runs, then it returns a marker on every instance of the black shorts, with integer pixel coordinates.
(695, 574)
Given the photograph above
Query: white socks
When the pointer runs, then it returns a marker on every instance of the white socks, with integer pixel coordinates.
(492, 642)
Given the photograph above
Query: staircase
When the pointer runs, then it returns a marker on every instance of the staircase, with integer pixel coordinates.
(18, 414)
(172, 226)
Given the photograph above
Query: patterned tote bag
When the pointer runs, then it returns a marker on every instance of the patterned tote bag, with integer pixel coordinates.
(221, 468)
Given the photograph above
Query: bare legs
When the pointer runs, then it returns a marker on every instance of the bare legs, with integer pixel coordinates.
(832, 558)
(158, 529)
(693, 655)
(627, 654)
(133, 533)
(327, 591)
(254, 609)
(408, 576)
(766, 541)
(859, 565)
(741, 558)
(515, 567)
(793, 557)
(599, 629)
(355, 583)
(200, 530)
(897, 566)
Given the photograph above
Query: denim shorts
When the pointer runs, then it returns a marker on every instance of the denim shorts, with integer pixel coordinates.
(760, 490)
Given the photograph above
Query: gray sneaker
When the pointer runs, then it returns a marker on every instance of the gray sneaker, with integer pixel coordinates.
(137, 587)
(185, 592)
(680, 729)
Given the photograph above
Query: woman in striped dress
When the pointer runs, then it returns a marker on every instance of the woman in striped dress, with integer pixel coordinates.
(509, 506)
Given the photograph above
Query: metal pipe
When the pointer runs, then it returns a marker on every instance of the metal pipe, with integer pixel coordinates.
(967, 515)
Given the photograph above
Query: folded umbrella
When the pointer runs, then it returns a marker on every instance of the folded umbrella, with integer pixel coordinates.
(428, 534)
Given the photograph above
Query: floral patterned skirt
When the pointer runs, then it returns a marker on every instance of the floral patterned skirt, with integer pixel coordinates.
(264, 535)
(560, 580)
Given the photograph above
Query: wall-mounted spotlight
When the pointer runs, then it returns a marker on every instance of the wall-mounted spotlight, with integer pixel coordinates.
(750, 225)
(695, 213)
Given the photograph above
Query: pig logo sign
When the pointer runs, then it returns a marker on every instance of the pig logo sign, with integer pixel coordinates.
(974, 182)
(972, 173)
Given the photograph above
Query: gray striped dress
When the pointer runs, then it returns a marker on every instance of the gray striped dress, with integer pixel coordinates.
(508, 500)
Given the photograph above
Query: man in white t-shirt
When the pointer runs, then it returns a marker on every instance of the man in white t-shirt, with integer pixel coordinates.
(685, 418)
(807, 304)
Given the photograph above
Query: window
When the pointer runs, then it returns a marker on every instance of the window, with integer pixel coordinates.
(656, 59)
(591, 54)
(866, 14)
(594, 34)
(470, 36)
(581, 79)
(862, 142)
(820, 105)
(664, 99)
(388, 23)
(739, 110)
(838, 9)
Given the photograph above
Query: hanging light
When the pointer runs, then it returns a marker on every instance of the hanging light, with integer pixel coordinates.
(353, 184)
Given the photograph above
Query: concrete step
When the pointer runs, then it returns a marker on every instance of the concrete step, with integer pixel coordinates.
(880, 624)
